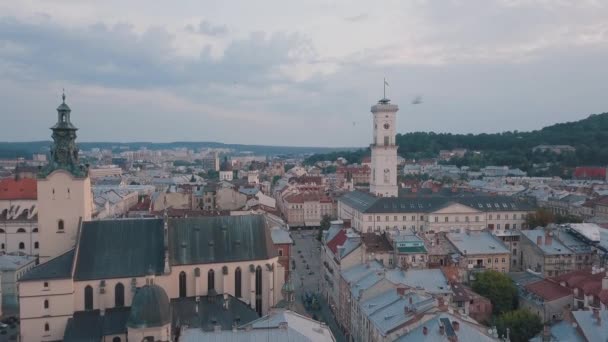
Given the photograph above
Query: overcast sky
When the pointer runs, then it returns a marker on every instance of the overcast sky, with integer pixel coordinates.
(297, 72)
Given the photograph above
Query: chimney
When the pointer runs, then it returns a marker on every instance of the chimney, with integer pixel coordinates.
(455, 325)
(596, 313)
(411, 300)
(539, 240)
(548, 239)
(425, 330)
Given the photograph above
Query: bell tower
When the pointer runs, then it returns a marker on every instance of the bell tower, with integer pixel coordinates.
(64, 190)
(383, 182)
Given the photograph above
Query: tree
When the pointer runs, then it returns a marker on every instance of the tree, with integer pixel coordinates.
(541, 218)
(498, 288)
(325, 224)
(522, 325)
(275, 179)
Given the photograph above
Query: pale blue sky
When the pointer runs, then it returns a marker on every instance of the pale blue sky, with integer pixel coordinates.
(297, 72)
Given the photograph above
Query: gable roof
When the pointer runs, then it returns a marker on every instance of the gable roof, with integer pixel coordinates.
(548, 290)
(120, 249)
(202, 240)
(338, 240)
(365, 202)
(59, 267)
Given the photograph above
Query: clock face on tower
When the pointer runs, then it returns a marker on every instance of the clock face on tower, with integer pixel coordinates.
(387, 126)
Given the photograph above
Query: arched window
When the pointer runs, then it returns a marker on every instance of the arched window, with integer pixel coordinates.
(21, 230)
(210, 280)
(60, 225)
(237, 283)
(46, 303)
(258, 290)
(46, 327)
(88, 298)
(36, 245)
(116, 339)
(21, 245)
(182, 284)
(197, 272)
(119, 295)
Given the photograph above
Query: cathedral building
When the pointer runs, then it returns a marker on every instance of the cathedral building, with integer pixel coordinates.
(138, 279)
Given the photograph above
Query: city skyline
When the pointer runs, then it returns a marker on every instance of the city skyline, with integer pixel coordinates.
(204, 72)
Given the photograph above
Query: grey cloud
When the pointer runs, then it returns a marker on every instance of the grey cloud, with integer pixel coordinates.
(206, 28)
(117, 56)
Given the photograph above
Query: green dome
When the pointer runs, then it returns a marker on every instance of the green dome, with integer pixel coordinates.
(150, 308)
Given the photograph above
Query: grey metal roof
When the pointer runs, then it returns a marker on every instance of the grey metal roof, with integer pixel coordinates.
(431, 280)
(562, 331)
(115, 321)
(56, 268)
(120, 249)
(467, 331)
(554, 248)
(84, 326)
(280, 236)
(200, 240)
(367, 203)
(588, 324)
(212, 310)
(90, 325)
(477, 243)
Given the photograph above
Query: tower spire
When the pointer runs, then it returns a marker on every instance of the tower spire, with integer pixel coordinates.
(63, 96)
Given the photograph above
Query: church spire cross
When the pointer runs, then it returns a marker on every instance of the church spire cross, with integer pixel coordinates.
(63, 95)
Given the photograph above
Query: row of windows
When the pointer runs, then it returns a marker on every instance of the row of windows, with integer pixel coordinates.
(22, 245)
(20, 230)
(387, 218)
(119, 296)
(67, 193)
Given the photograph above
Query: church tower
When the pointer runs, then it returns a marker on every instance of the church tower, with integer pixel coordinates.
(383, 181)
(64, 190)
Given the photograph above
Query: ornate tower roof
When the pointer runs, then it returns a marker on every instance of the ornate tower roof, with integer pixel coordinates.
(64, 152)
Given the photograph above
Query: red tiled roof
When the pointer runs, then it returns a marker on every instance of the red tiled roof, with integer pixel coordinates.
(590, 284)
(338, 240)
(548, 290)
(24, 188)
(590, 172)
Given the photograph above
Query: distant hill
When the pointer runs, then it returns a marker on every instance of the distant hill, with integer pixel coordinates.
(10, 150)
(589, 136)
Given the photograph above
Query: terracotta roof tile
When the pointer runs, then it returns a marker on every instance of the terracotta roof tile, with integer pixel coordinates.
(338, 240)
(548, 290)
(25, 188)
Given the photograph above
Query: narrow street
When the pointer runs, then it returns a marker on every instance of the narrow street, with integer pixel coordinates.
(306, 279)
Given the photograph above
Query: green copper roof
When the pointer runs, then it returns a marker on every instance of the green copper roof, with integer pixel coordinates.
(64, 151)
(150, 308)
(219, 239)
(212, 310)
(411, 250)
(56, 268)
(120, 249)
